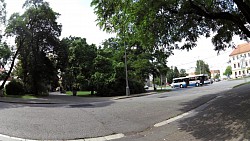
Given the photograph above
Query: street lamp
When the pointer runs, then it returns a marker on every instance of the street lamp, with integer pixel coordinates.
(125, 50)
(126, 70)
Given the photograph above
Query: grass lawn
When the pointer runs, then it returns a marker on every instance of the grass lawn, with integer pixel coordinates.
(80, 93)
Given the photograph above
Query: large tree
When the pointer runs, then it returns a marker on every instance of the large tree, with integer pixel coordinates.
(80, 63)
(202, 68)
(36, 35)
(163, 23)
(183, 73)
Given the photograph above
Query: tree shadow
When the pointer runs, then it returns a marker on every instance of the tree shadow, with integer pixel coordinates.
(226, 118)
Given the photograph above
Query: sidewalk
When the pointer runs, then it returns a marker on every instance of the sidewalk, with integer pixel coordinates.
(226, 118)
(59, 98)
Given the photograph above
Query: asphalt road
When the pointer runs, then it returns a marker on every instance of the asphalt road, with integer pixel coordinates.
(127, 116)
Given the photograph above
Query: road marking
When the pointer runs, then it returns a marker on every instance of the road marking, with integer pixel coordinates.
(172, 119)
(104, 138)
(165, 122)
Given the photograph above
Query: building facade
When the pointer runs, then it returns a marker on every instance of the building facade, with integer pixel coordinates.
(214, 73)
(240, 60)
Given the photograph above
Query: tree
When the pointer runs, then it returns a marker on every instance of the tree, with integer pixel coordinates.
(37, 35)
(167, 22)
(183, 73)
(80, 62)
(176, 72)
(202, 68)
(170, 75)
(228, 71)
(5, 54)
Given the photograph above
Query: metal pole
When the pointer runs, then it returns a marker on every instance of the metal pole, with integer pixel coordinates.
(126, 71)
(199, 64)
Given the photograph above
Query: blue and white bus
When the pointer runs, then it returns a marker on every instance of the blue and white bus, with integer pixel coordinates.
(193, 80)
(181, 82)
(197, 80)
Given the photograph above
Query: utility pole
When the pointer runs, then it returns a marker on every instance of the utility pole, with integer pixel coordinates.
(126, 65)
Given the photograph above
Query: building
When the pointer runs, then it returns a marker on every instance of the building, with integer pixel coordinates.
(214, 73)
(240, 60)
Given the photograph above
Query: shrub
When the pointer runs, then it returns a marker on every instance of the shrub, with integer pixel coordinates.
(15, 88)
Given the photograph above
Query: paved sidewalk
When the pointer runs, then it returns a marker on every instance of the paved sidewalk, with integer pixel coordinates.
(59, 98)
(226, 118)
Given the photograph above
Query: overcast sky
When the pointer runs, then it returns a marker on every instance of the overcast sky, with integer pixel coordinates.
(78, 19)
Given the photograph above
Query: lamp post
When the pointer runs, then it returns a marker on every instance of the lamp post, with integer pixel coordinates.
(125, 58)
(126, 70)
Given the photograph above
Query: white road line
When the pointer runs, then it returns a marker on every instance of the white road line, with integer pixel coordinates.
(171, 119)
(165, 122)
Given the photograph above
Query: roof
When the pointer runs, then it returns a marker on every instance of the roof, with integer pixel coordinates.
(242, 48)
(215, 71)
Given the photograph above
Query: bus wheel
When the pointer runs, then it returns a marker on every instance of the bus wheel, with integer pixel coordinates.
(181, 86)
(197, 85)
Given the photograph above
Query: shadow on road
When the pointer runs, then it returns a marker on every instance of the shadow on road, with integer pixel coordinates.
(226, 118)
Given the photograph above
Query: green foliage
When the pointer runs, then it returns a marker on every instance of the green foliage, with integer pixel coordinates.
(37, 35)
(14, 87)
(165, 23)
(228, 71)
(5, 54)
(202, 68)
(172, 73)
(183, 73)
(176, 72)
(79, 67)
(217, 76)
(2, 11)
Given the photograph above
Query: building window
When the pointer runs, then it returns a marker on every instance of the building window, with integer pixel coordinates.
(239, 72)
(243, 72)
(245, 55)
(235, 73)
(237, 57)
(248, 54)
(238, 65)
(246, 64)
(233, 58)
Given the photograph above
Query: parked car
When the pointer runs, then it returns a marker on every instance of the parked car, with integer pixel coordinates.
(217, 80)
(146, 87)
(209, 81)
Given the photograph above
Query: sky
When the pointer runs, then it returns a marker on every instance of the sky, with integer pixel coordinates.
(78, 19)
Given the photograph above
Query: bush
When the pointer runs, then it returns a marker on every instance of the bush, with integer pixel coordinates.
(118, 88)
(15, 88)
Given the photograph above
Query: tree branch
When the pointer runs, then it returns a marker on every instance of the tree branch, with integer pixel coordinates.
(12, 64)
(221, 15)
(244, 8)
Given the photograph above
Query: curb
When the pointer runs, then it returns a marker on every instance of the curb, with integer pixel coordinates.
(39, 102)
(27, 102)
(134, 95)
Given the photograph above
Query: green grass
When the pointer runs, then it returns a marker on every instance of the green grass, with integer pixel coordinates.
(241, 84)
(80, 93)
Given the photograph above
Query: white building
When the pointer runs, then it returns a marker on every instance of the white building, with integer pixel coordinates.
(240, 60)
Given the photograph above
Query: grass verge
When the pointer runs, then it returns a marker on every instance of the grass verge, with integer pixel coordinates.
(81, 93)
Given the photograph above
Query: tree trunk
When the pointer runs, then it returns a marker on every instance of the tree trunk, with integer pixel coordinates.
(11, 67)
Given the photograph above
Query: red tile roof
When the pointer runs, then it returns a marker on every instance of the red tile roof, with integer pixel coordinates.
(242, 48)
